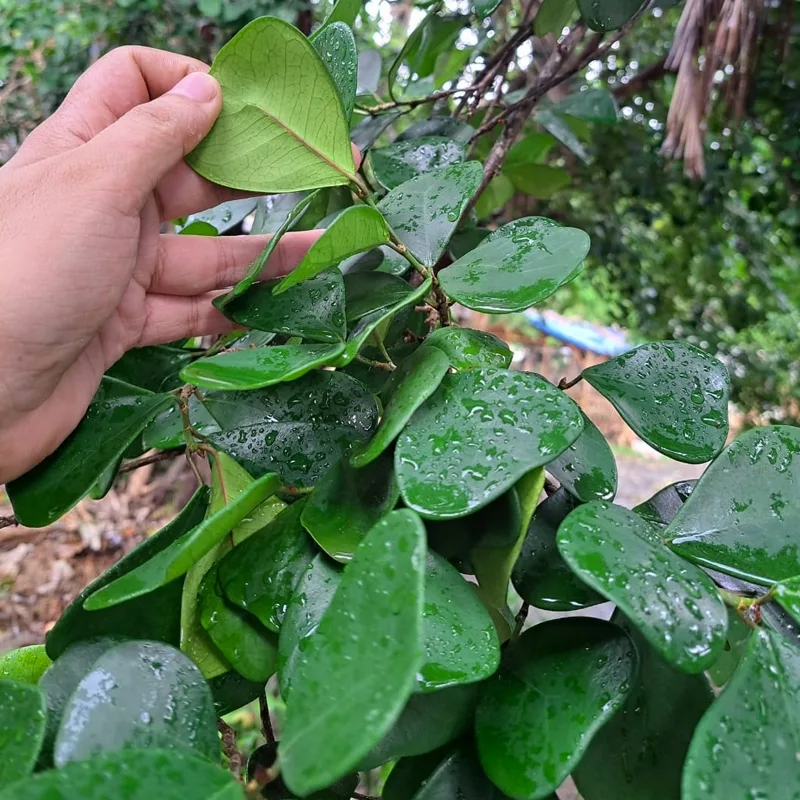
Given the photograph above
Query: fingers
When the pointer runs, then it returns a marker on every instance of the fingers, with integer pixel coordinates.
(190, 265)
(170, 318)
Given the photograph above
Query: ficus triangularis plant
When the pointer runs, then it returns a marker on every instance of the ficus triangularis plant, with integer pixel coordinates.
(377, 475)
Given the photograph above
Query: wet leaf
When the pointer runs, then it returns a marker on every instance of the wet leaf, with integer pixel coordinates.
(672, 395)
(368, 292)
(587, 468)
(244, 370)
(401, 161)
(417, 379)
(424, 211)
(738, 635)
(483, 8)
(138, 694)
(662, 507)
(247, 646)
(592, 105)
(519, 265)
(313, 309)
(355, 230)
(447, 126)
(365, 134)
(144, 774)
(22, 724)
(153, 368)
(53, 487)
(607, 15)
(640, 753)
(477, 435)
(177, 558)
(154, 616)
(747, 742)
(381, 590)
(468, 349)
(742, 516)
(336, 46)
(553, 16)
(673, 604)
(298, 429)
(346, 503)
(25, 664)
(259, 575)
(587, 667)
(787, 594)
(310, 600)
(459, 640)
(540, 575)
(224, 216)
(231, 692)
(558, 127)
(278, 119)
(344, 11)
(427, 722)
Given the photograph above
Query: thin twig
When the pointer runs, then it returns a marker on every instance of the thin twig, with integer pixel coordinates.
(235, 758)
(7, 522)
(385, 365)
(153, 458)
(565, 384)
(520, 620)
(266, 721)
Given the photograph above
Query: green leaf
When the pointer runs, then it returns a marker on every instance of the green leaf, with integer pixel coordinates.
(483, 8)
(672, 395)
(231, 692)
(177, 558)
(53, 487)
(22, 724)
(138, 694)
(428, 721)
(425, 211)
(558, 127)
(459, 640)
(468, 349)
(404, 160)
(198, 228)
(674, 604)
(298, 429)
(355, 230)
(25, 664)
(580, 664)
(787, 594)
(260, 574)
(224, 216)
(447, 126)
(743, 514)
(494, 197)
(722, 669)
(310, 600)
(592, 105)
(336, 46)
(540, 575)
(640, 753)
(418, 377)
(539, 180)
(381, 590)
(144, 774)
(261, 367)
(368, 292)
(607, 15)
(269, 137)
(531, 149)
(587, 468)
(480, 432)
(519, 265)
(370, 324)
(248, 647)
(553, 16)
(154, 616)
(153, 368)
(165, 432)
(344, 11)
(366, 133)
(662, 507)
(438, 35)
(313, 309)
(747, 742)
(346, 503)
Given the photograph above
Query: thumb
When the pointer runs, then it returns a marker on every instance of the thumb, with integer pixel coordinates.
(150, 139)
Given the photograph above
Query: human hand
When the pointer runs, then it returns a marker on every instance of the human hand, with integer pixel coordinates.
(86, 275)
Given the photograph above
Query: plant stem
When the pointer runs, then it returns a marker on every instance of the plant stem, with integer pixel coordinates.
(235, 758)
(565, 384)
(153, 458)
(7, 522)
(389, 365)
(266, 720)
(519, 620)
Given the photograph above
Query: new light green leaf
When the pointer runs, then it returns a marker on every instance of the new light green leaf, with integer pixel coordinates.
(25, 664)
(326, 731)
(355, 230)
(282, 127)
(519, 265)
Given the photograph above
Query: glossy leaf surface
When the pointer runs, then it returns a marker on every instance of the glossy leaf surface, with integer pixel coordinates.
(138, 694)
(382, 586)
(592, 105)
(299, 429)
(743, 514)
(368, 292)
(517, 266)
(468, 349)
(53, 487)
(355, 230)
(346, 503)
(661, 508)
(404, 160)
(587, 468)
(553, 16)
(224, 216)
(268, 137)
(674, 604)
(607, 15)
(25, 664)
(447, 126)
(417, 379)
(153, 368)
(580, 664)
(671, 394)
(424, 211)
(477, 435)
(747, 742)
(336, 46)
(22, 724)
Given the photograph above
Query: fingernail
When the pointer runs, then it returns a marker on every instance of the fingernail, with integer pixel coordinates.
(197, 86)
